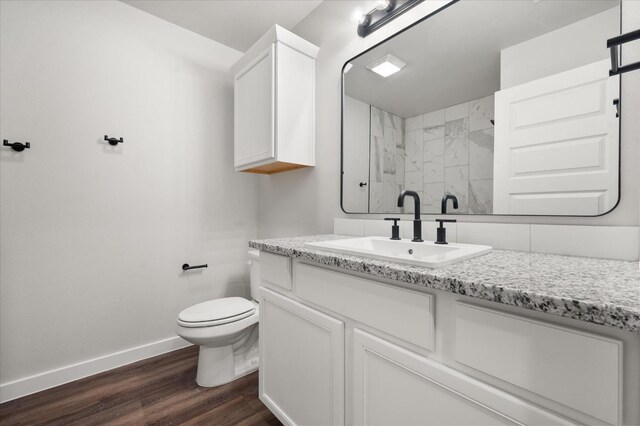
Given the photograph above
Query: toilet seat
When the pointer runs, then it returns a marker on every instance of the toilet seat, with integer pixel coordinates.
(216, 312)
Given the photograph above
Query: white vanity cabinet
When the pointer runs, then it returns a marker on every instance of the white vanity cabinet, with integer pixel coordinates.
(342, 348)
(394, 386)
(301, 362)
(274, 84)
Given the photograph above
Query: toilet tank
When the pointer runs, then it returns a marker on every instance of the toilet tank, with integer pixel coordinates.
(254, 265)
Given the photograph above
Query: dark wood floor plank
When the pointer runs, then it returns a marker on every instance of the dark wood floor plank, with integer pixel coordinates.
(160, 390)
(261, 417)
(231, 413)
(198, 404)
(93, 392)
(125, 414)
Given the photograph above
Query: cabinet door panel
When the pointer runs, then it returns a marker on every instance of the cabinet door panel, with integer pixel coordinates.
(543, 358)
(295, 100)
(405, 314)
(254, 109)
(392, 385)
(301, 362)
(275, 269)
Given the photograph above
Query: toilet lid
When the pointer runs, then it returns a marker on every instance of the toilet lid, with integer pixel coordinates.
(221, 311)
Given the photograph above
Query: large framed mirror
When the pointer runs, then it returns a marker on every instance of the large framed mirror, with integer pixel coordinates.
(507, 105)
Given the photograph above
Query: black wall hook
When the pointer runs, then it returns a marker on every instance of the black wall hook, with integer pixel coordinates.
(113, 141)
(16, 146)
(186, 266)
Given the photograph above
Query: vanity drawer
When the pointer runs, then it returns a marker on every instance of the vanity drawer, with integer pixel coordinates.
(394, 386)
(275, 270)
(402, 313)
(546, 359)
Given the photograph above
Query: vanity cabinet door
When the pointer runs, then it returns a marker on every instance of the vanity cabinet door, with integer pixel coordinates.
(301, 362)
(254, 111)
(393, 386)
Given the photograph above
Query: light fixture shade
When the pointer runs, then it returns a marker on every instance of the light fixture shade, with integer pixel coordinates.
(383, 5)
(386, 65)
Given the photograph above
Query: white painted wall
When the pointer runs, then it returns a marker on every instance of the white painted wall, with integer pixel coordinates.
(573, 46)
(93, 237)
(306, 201)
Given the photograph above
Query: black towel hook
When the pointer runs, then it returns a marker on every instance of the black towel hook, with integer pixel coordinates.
(186, 267)
(16, 146)
(113, 141)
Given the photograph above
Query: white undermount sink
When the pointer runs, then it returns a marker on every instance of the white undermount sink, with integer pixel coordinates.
(426, 253)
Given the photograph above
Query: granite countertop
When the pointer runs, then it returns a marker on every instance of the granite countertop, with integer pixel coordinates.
(600, 291)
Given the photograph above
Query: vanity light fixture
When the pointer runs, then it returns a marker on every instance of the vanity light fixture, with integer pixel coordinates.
(383, 12)
(387, 65)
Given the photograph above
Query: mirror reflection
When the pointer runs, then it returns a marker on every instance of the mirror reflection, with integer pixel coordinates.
(517, 117)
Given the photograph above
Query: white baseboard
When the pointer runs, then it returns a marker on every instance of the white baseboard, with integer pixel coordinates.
(69, 373)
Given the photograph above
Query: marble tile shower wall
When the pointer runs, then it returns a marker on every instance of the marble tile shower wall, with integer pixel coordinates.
(450, 151)
(387, 161)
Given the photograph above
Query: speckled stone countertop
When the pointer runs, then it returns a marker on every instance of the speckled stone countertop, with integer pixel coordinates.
(600, 291)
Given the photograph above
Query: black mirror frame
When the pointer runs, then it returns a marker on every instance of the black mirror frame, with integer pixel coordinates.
(419, 21)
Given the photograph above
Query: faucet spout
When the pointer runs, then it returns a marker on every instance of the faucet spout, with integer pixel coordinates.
(416, 201)
(417, 223)
(447, 197)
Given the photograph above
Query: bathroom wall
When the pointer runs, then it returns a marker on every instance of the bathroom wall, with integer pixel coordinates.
(529, 60)
(92, 236)
(387, 159)
(450, 151)
(306, 201)
(376, 154)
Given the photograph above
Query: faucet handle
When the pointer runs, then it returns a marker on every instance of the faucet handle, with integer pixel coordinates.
(441, 231)
(441, 221)
(395, 229)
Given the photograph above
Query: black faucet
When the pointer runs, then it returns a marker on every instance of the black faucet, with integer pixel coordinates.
(442, 231)
(444, 203)
(417, 223)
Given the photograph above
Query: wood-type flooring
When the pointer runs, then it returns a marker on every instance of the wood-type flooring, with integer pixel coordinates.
(156, 391)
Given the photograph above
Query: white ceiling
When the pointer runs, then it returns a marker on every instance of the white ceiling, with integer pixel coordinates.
(235, 23)
(454, 56)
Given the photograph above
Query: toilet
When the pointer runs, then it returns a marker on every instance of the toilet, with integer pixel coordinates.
(227, 332)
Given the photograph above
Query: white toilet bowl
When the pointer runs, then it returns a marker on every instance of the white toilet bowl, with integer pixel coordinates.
(226, 331)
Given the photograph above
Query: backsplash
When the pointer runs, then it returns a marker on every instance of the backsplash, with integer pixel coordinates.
(605, 242)
(450, 151)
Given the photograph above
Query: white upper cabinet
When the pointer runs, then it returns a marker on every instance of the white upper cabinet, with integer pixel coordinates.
(274, 85)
